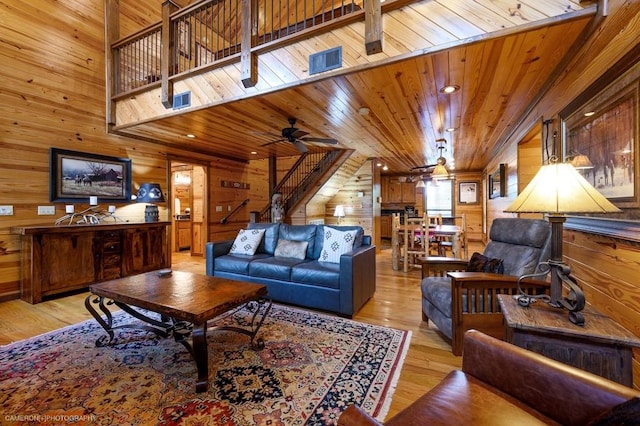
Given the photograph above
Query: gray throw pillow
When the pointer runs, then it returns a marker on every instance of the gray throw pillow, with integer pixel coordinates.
(293, 249)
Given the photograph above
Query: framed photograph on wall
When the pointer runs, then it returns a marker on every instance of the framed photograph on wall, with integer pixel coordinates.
(601, 140)
(497, 182)
(468, 192)
(76, 176)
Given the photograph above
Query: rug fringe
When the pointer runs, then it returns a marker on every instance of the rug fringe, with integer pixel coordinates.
(384, 410)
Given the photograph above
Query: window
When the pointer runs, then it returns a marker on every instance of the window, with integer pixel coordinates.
(439, 197)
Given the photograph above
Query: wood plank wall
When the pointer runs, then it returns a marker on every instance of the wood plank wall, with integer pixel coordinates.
(605, 267)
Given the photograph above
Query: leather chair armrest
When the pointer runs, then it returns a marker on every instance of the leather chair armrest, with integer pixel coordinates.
(439, 266)
(561, 392)
(213, 250)
(355, 416)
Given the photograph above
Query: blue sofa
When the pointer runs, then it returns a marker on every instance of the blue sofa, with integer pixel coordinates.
(342, 287)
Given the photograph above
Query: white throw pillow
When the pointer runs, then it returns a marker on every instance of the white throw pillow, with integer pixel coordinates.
(247, 241)
(293, 249)
(336, 243)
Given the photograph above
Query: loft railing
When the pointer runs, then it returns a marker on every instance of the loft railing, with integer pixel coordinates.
(210, 32)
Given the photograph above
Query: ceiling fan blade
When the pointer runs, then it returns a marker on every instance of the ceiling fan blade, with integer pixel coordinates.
(300, 146)
(297, 133)
(321, 140)
(272, 142)
(423, 167)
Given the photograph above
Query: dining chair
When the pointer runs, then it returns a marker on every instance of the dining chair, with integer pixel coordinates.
(416, 240)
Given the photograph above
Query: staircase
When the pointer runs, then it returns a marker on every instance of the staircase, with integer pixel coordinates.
(305, 176)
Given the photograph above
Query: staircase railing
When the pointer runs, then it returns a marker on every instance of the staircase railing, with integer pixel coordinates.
(234, 211)
(302, 176)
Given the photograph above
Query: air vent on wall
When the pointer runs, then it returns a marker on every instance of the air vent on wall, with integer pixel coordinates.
(182, 100)
(325, 61)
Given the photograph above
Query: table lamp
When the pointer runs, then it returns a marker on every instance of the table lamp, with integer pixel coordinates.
(339, 212)
(150, 193)
(558, 189)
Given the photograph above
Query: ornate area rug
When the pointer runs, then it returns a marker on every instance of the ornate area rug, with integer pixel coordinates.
(312, 367)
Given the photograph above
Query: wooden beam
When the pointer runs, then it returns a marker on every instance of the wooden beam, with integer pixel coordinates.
(373, 26)
(248, 60)
(167, 49)
(111, 35)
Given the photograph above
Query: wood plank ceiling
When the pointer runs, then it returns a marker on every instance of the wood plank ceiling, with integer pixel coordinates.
(499, 78)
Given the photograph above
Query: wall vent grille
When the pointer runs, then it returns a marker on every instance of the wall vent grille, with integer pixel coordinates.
(182, 100)
(324, 61)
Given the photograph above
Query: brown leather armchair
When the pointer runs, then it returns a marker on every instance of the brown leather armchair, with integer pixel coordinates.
(502, 383)
(459, 301)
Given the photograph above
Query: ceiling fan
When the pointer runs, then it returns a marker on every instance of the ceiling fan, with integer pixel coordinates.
(297, 137)
(439, 168)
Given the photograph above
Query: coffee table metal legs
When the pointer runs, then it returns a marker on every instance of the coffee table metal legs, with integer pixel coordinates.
(193, 337)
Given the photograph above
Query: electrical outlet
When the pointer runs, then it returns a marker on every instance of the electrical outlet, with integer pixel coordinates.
(46, 210)
(6, 210)
(228, 208)
(218, 208)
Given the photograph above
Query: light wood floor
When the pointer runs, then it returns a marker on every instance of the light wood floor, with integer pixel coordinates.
(397, 303)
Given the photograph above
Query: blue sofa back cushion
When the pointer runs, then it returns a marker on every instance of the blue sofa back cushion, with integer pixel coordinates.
(320, 237)
(300, 233)
(270, 239)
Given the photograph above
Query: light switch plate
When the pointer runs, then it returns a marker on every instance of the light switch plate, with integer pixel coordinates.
(6, 210)
(46, 210)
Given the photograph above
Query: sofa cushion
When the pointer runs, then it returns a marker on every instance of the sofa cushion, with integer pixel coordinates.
(293, 249)
(317, 273)
(247, 241)
(358, 242)
(299, 233)
(277, 268)
(236, 263)
(268, 244)
(335, 244)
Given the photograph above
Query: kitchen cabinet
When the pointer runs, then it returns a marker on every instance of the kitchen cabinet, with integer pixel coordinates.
(58, 259)
(395, 192)
(182, 236)
(385, 226)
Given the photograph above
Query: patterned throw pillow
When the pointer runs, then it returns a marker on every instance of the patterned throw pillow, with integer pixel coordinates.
(247, 241)
(336, 243)
(293, 249)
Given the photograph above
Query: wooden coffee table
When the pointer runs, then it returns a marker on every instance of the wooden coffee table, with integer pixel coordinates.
(185, 302)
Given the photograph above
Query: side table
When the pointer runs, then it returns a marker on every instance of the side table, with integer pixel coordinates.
(601, 346)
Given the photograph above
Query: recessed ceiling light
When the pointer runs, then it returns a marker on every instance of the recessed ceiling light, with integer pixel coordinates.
(451, 129)
(379, 164)
(449, 89)
(589, 113)
(254, 152)
(190, 135)
(385, 168)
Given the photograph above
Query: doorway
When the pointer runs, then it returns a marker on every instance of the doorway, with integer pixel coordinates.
(189, 207)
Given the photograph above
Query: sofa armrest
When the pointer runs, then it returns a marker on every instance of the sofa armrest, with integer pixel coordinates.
(561, 392)
(439, 266)
(357, 278)
(213, 250)
(356, 416)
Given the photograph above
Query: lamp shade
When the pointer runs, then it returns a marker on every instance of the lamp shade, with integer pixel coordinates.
(559, 188)
(150, 193)
(581, 161)
(439, 172)
(339, 211)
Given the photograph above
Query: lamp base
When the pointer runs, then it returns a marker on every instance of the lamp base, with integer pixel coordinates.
(151, 213)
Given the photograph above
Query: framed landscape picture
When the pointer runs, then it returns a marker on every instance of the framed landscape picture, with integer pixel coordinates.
(76, 176)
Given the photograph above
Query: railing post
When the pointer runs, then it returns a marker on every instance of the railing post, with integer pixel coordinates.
(112, 34)
(373, 26)
(248, 60)
(167, 57)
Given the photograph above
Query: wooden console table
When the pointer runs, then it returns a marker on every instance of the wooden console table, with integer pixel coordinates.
(58, 259)
(601, 346)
